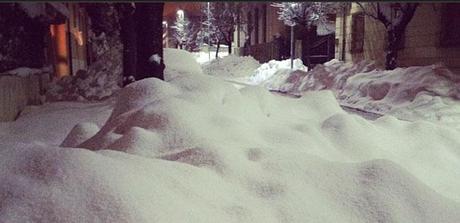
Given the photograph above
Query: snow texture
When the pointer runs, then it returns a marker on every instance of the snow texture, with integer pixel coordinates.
(197, 149)
(179, 62)
(155, 58)
(231, 66)
(429, 93)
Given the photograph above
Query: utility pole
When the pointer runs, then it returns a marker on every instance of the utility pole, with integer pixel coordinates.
(292, 47)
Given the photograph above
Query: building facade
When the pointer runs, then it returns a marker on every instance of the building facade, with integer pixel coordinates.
(432, 36)
(265, 37)
(62, 47)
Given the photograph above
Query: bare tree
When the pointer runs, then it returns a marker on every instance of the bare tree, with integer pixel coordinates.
(395, 17)
(226, 18)
(305, 14)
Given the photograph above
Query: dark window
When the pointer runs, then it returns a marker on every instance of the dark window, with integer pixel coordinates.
(357, 32)
(450, 29)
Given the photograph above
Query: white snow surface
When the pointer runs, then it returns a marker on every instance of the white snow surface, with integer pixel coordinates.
(203, 57)
(197, 149)
(155, 58)
(429, 93)
(50, 123)
(179, 62)
(271, 73)
(231, 66)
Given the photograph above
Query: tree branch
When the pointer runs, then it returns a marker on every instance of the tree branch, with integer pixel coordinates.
(364, 10)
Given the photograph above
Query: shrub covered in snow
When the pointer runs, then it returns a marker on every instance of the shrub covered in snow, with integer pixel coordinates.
(231, 66)
(83, 86)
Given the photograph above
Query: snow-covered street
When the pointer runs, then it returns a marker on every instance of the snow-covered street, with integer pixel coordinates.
(199, 147)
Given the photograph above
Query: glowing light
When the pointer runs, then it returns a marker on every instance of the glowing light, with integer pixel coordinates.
(180, 13)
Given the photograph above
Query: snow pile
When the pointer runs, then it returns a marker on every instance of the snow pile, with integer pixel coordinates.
(428, 93)
(399, 87)
(51, 123)
(179, 62)
(231, 66)
(197, 149)
(274, 73)
(332, 75)
(203, 57)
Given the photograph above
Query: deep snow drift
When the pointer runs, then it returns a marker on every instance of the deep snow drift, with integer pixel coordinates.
(197, 149)
(231, 66)
(429, 93)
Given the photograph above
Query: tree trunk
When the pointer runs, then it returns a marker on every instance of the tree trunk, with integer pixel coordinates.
(149, 30)
(306, 51)
(292, 47)
(128, 36)
(395, 30)
(217, 50)
(391, 51)
(394, 40)
(344, 34)
(230, 47)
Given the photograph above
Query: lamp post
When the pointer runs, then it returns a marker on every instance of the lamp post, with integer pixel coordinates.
(292, 47)
(180, 13)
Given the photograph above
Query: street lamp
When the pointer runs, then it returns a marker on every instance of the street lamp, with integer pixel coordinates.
(180, 13)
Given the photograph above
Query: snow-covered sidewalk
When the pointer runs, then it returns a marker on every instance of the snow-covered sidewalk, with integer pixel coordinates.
(197, 149)
(428, 93)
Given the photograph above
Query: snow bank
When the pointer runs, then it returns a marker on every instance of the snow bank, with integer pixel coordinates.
(51, 123)
(231, 66)
(415, 93)
(197, 149)
(399, 86)
(203, 57)
(179, 62)
(266, 72)
(203, 150)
